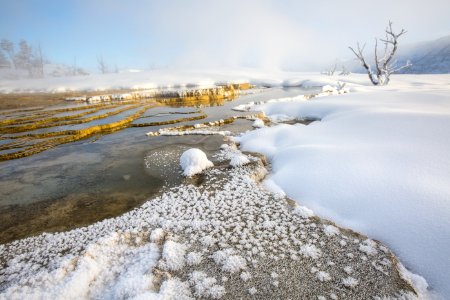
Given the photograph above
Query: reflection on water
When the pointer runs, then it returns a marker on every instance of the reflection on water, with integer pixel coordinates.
(86, 181)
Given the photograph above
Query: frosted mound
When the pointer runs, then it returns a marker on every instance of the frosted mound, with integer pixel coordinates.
(194, 161)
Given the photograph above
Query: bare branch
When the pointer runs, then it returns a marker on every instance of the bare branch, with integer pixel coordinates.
(384, 66)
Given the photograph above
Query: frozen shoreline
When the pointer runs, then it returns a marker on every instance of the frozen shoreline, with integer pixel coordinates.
(213, 240)
(377, 162)
(314, 151)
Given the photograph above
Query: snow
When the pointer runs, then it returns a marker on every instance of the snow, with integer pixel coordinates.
(173, 255)
(323, 276)
(258, 123)
(331, 230)
(230, 262)
(376, 162)
(368, 247)
(129, 256)
(350, 282)
(194, 258)
(252, 290)
(205, 286)
(303, 211)
(245, 276)
(166, 132)
(310, 251)
(194, 161)
(238, 160)
(108, 269)
(179, 78)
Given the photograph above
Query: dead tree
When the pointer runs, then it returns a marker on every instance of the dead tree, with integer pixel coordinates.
(102, 66)
(39, 61)
(8, 47)
(344, 71)
(384, 65)
(331, 71)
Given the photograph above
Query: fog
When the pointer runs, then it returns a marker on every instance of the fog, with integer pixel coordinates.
(295, 35)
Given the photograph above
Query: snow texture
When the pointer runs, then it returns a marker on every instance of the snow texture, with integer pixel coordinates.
(194, 161)
(330, 230)
(173, 255)
(350, 282)
(205, 286)
(310, 251)
(303, 211)
(130, 255)
(239, 160)
(377, 162)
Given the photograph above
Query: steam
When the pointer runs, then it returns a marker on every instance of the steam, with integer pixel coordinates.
(268, 34)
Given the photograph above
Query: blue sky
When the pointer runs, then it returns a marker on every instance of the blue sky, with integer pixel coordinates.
(265, 33)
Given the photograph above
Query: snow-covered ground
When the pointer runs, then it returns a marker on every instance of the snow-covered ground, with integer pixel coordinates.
(378, 161)
(226, 238)
(184, 78)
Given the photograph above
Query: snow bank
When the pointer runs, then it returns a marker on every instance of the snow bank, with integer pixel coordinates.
(179, 78)
(194, 161)
(377, 162)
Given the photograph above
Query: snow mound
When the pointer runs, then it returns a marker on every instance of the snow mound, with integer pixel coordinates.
(194, 161)
(377, 162)
(258, 123)
(173, 255)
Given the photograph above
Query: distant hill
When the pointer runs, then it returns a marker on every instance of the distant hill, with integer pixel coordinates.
(431, 57)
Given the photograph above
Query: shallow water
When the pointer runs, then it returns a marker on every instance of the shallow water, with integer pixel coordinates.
(79, 183)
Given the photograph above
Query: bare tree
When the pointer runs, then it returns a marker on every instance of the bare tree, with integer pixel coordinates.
(384, 65)
(24, 57)
(331, 71)
(39, 61)
(8, 47)
(74, 66)
(344, 71)
(101, 64)
(4, 63)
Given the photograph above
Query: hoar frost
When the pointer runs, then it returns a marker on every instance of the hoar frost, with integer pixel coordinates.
(194, 161)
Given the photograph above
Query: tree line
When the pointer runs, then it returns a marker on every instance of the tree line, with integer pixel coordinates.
(23, 57)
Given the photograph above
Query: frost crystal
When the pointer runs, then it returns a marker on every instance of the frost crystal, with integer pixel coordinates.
(239, 160)
(368, 247)
(310, 251)
(173, 255)
(245, 276)
(303, 212)
(194, 258)
(330, 230)
(205, 286)
(323, 276)
(350, 282)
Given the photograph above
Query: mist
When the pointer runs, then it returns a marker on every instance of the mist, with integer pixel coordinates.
(287, 35)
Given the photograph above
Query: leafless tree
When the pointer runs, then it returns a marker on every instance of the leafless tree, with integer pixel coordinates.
(4, 63)
(74, 66)
(331, 71)
(39, 61)
(24, 57)
(384, 65)
(101, 64)
(8, 47)
(344, 71)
